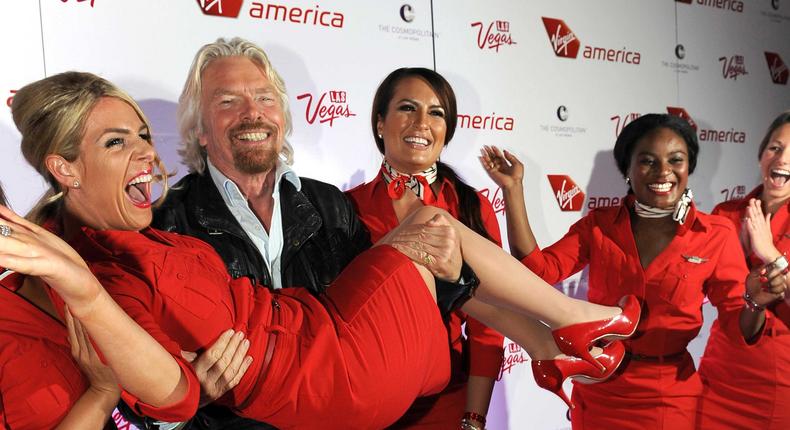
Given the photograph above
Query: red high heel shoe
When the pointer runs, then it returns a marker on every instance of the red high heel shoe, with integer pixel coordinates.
(576, 339)
(550, 374)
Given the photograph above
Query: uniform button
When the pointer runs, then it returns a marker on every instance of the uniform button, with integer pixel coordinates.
(685, 276)
(296, 243)
(180, 276)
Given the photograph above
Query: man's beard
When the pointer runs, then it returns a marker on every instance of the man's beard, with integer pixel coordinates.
(254, 160)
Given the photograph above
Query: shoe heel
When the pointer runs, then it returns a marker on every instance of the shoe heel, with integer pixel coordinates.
(549, 377)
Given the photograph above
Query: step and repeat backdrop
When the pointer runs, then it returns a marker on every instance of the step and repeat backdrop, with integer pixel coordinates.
(553, 81)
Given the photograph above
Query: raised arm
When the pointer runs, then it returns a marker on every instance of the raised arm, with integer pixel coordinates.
(508, 173)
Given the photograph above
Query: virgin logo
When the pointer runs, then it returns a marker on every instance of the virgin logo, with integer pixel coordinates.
(494, 37)
(569, 196)
(621, 121)
(563, 41)
(736, 192)
(325, 111)
(496, 199)
(226, 8)
(681, 112)
(732, 67)
(777, 67)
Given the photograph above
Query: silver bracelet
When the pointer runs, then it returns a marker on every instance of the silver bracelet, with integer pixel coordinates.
(751, 304)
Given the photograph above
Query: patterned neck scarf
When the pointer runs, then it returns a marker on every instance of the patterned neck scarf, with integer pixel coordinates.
(679, 212)
(420, 183)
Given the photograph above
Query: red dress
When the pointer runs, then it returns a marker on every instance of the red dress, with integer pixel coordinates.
(480, 354)
(749, 388)
(657, 387)
(354, 358)
(39, 380)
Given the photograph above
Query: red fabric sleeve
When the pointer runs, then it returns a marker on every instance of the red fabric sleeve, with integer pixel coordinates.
(136, 297)
(725, 286)
(485, 344)
(566, 256)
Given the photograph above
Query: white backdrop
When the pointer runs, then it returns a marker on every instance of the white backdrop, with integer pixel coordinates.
(560, 115)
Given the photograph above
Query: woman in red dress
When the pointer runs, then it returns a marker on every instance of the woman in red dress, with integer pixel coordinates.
(748, 387)
(657, 246)
(51, 376)
(354, 357)
(413, 119)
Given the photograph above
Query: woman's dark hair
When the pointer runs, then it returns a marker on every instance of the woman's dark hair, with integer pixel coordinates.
(2, 197)
(782, 119)
(645, 124)
(468, 200)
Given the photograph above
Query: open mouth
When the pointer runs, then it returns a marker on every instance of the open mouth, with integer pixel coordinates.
(417, 142)
(779, 177)
(661, 188)
(138, 189)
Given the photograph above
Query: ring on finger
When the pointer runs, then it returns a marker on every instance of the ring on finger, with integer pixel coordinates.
(428, 259)
(5, 230)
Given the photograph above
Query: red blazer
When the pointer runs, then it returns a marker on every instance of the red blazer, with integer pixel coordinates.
(39, 380)
(752, 383)
(374, 208)
(704, 259)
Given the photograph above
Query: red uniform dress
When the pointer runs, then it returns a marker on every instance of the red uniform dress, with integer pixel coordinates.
(481, 353)
(657, 387)
(749, 388)
(354, 358)
(39, 381)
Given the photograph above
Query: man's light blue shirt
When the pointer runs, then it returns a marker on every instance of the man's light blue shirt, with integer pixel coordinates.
(269, 245)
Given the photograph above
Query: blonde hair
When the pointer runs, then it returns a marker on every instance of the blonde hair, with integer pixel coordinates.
(50, 114)
(190, 111)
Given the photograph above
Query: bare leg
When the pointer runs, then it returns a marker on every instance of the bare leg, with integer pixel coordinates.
(507, 284)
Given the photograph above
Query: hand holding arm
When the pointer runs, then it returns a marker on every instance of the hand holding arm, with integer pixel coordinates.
(434, 245)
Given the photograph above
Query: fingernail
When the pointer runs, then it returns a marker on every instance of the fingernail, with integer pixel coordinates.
(246, 343)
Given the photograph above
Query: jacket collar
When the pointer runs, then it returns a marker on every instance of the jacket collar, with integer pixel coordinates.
(692, 220)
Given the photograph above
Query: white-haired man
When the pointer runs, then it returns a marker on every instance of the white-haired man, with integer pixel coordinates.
(241, 195)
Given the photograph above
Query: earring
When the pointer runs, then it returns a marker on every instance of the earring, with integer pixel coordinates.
(627, 180)
(380, 136)
(76, 183)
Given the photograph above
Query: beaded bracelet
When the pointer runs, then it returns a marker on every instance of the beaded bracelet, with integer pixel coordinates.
(751, 304)
(476, 417)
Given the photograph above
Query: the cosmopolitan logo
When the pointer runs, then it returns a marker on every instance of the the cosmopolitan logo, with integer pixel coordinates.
(405, 29)
(736, 192)
(514, 356)
(773, 13)
(493, 35)
(731, 5)
(486, 122)
(329, 107)
(620, 121)
(732, 67)
(777, 68)
(274, 12)
(496, 199)
(10, 98)
(79, 1)
(566, 44)
(562, 128)
(677, 64)
(681, 112)
(569, 196)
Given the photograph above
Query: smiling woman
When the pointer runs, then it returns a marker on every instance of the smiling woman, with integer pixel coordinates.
(120, 139)
(656, 245)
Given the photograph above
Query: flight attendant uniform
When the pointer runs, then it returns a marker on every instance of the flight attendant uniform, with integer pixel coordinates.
(475, 351)
(749, 387)
(657, 386)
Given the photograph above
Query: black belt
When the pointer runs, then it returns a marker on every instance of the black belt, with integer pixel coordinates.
(677, 356)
